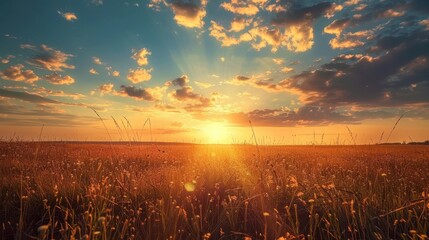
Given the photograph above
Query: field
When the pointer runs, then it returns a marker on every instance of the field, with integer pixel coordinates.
(185, 191)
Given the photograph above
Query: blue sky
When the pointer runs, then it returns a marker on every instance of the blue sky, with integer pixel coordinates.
(288, 66)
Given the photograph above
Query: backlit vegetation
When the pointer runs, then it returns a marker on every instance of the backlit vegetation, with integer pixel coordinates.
(180, 191)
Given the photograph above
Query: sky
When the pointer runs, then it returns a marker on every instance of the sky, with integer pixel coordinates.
(201, 71)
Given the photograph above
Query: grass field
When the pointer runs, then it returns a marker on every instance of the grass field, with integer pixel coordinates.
(183, 191)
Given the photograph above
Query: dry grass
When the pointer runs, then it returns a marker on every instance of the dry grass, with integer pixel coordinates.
(123, 191)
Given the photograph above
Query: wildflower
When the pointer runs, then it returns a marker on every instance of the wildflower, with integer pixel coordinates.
(293, 182)
(189, 186)
(207, 236)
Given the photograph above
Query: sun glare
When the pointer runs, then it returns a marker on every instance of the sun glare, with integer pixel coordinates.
(216, 133)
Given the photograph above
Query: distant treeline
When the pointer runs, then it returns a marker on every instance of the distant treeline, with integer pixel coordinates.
(410, 143)
(420, 143)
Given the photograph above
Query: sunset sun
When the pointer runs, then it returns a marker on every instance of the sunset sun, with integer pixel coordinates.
(216, 133)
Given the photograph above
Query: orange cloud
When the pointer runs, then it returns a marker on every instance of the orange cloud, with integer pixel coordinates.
(266, 36)
(116, 73)
(188, 14)
(287, 69)
(239, 24)
(57, 79)
(69, 16)
(93, 71)
(106, 88)
(350, 40)
(49, 58)
(97, 60)
(17, 73)
(299, 38)
(147, 94)
(241, 8)
(58, 93)
(425, 23)
(278, 61)
(141, 56)
(219, 33)
(6, 60)
(139, 75)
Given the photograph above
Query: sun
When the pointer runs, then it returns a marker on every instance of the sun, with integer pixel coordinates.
(216, 132)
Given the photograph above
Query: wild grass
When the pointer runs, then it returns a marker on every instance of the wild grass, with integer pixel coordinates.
(184, 191)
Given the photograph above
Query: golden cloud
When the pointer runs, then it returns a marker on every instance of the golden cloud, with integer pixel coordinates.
(17, 73)
(141, 56)
(139, 75)
(57, 79)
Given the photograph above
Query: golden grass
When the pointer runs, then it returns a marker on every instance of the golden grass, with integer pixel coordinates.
(179, 191)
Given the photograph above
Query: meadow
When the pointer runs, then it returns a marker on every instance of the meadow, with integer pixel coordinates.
(184, 191)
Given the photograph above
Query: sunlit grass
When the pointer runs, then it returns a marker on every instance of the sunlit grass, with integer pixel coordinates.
(180, 191)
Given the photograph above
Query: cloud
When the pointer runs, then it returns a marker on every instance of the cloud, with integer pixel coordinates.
(139, 75)
(267, 36)
(195, 102)
(242, 78)
(57, 79)
(185, 93)
(220, 34)
(97, 2)
(299, 38)
(297, 22)
(116, 73)
(93, 71)
(379, 11)
(147, 94)
(69, 16)
(180, 81)
(106, 88)
(203, 84)
(281, 117)
(39, 113)
(58, 93)
(310, 115)
(337, 26)
(397, 77)
(6, 59)
(49, 58)
(19, 74)
(240, 7)
(278, 61)
(97, 60)
(141, 56)
(287, 69)
(256, 81)
(155, 4)
(26, 96)
(350, 40)
(425, 23)
(239, 24)
(189, 14)
(291, 28)
(296, 14)
(275, 8)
